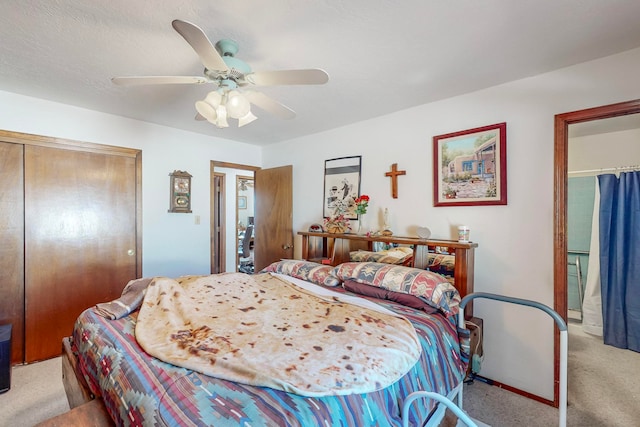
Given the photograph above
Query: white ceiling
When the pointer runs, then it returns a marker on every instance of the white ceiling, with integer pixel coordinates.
(382, 56)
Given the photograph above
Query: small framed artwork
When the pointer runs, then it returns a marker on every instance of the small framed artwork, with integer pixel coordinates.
(470, 167)
(242, 202)
(341, 186)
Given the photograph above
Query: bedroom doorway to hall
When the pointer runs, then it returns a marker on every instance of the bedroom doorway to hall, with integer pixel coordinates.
(567, 150)
(273, 204)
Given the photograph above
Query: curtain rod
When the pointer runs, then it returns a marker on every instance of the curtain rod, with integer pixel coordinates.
(618, 169)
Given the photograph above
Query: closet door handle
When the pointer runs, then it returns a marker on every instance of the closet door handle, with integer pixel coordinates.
(131, 252)
(286, 246)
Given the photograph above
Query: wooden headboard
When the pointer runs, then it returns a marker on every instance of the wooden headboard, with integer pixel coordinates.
(334, 249)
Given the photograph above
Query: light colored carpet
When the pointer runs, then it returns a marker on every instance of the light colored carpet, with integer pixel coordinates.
(36, 394)
(604, 391)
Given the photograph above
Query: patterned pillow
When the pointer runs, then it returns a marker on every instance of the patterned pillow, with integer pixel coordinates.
(413, 281)
(400, 256)
(305, 270)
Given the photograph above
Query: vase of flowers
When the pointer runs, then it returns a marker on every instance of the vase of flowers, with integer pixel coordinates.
(362, 203)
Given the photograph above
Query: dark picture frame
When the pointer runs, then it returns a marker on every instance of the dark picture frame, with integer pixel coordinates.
(341, 185)
(470, 167)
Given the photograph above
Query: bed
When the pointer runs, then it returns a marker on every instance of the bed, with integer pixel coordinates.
(105, 361)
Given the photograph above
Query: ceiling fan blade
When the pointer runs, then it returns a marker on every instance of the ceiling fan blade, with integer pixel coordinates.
(269, 105)
(158, 80)
(312, 76)
(201, 44)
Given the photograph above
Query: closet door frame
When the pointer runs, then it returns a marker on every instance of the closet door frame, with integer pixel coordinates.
(12, 258)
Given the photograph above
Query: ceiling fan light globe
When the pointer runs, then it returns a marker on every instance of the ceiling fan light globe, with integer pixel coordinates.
(206, 111)
(214, 98)
(246, 119)
(237, 105)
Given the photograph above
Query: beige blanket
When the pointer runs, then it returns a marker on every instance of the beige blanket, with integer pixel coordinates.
(262, 330)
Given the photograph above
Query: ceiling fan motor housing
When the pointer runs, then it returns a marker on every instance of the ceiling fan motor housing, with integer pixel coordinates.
(228, 48)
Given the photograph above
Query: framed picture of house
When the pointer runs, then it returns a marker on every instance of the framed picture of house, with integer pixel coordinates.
(341, 186)
(470, 167)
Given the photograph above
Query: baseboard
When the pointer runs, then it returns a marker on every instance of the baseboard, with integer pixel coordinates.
(513, 390)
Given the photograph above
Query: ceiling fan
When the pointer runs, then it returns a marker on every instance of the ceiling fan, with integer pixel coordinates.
(229, 74)
(244, 184)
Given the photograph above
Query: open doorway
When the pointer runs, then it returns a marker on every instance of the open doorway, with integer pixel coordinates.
(599, 147)
(245, 223)
(273, 218)
(224, 213)
(561, 161)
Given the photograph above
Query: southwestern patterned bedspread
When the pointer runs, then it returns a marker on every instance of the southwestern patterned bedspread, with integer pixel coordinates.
(139, 389)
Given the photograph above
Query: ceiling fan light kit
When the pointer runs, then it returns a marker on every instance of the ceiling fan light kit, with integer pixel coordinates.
(220, 104)
(229, 73)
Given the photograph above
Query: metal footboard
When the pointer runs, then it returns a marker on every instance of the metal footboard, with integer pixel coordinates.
(457, 410)
(462, 416)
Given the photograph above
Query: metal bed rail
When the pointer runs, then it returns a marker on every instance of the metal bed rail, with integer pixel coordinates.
(458, 412)
(457, 409)
(577, 275)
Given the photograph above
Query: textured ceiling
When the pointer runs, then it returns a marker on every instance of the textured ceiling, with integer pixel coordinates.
(382, 56)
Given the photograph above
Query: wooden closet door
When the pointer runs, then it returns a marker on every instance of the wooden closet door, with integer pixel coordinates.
(12, 246)
(80, 239)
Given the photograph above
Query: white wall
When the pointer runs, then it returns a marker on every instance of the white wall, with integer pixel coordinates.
(515, 253)
(606, 150)
(172, 244)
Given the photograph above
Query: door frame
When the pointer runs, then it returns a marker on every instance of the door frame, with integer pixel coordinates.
(214, 209)
(218, 216)
(561, 155)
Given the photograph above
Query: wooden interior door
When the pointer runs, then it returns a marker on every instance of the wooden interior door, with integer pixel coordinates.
(80, 238)
(273, 216)
(12, 247)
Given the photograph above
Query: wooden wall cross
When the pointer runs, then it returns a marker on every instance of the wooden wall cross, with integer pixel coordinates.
(394, 179)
